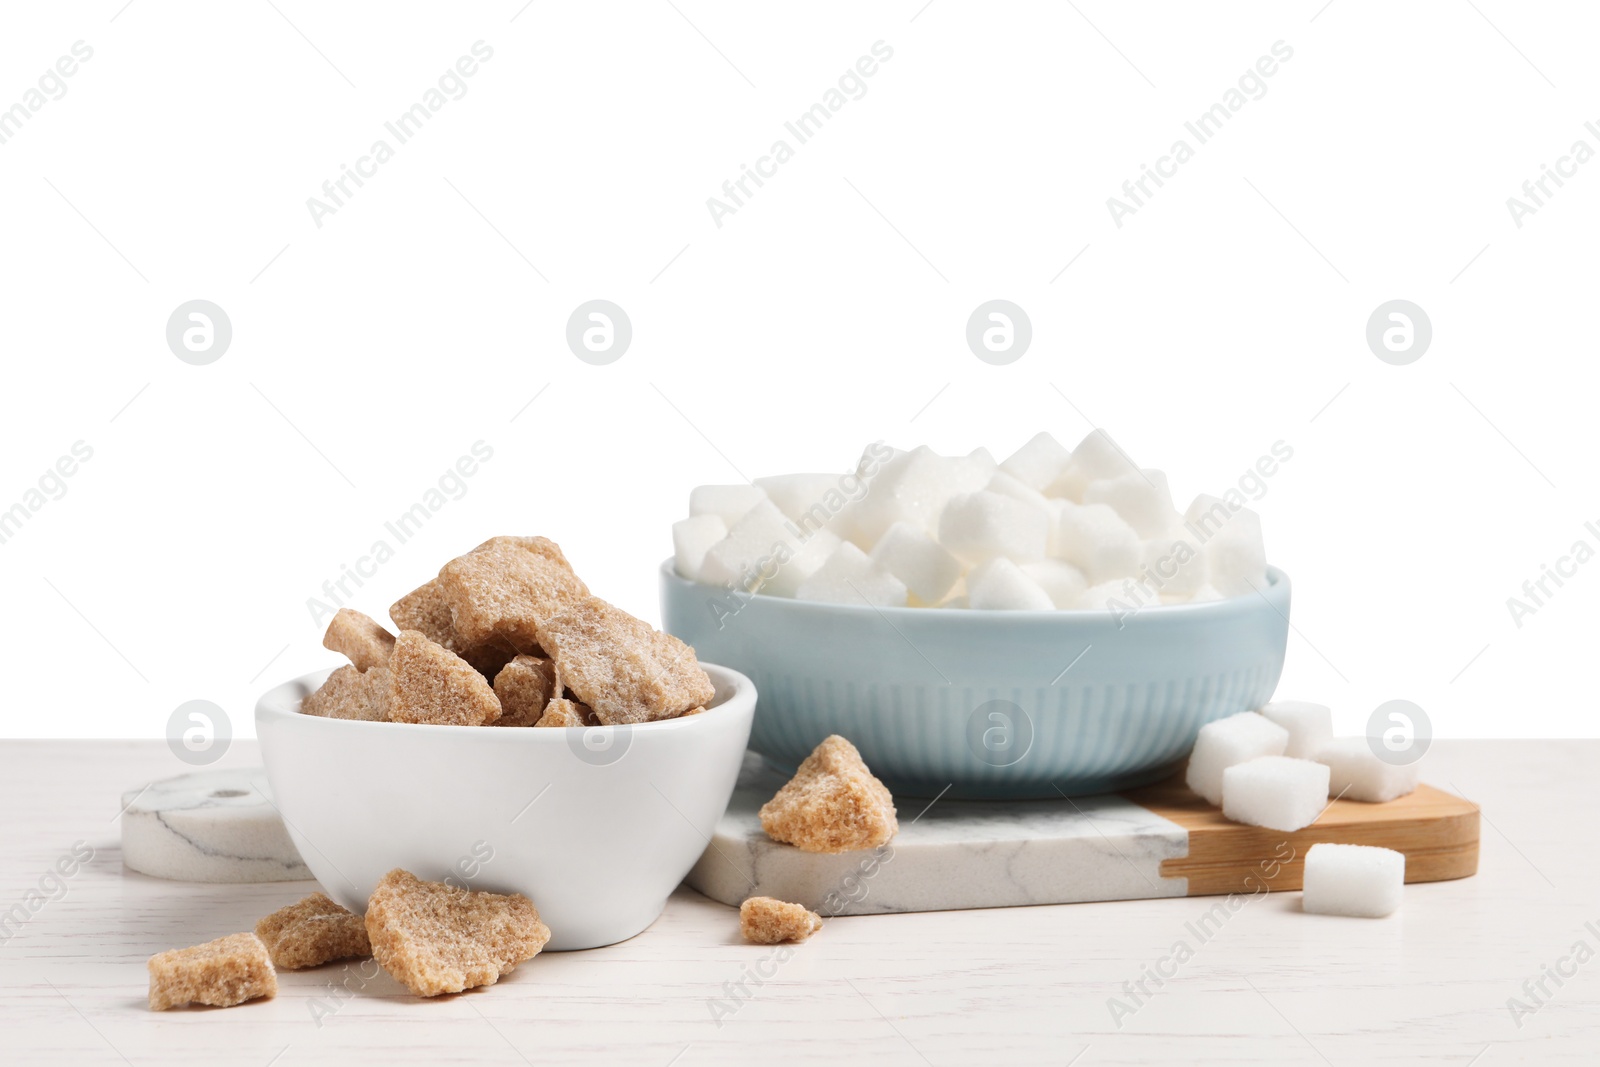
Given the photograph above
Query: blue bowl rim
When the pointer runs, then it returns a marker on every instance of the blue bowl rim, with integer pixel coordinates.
(1277, 584)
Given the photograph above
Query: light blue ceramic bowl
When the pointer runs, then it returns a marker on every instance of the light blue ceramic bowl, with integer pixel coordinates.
(990, 703)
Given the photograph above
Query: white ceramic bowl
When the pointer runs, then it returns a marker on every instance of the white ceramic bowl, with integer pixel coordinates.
(597, 826)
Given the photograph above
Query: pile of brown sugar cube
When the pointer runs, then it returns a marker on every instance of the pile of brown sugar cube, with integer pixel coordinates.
(432, 937)
(508, 635)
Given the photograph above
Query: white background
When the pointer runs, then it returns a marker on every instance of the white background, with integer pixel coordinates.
(1227, 314)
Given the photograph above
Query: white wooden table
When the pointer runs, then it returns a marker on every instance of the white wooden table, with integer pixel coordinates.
(1014, 986)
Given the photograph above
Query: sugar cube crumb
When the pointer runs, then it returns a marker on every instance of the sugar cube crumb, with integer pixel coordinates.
(768, 921)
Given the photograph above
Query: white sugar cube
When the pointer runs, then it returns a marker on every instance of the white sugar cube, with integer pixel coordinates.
(1176, 566)
(811, 500)
(1358, 880)
(908, 553)
(730, 503)
(811, 554)
(1141, 498)
(1227, 742)
(1236, 560)
(692, 538)
(1037, 463)
(1061, 581)
(977, 527)
(1277, 792)
(1095, 539)
(748, 556)
(1358, 774)
(1120, 596)
(983, 459)
(1205, 594)
(1004, 484)
(914, 488)
(1069, 484)
(1098, 456)
(849, 576)
(1310, 725)
(1000, 585)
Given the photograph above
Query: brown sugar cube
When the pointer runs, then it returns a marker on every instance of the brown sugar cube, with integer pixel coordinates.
(692, 711)
(524, 686)
(221, 973)
(436, 938)
(563, 712)
(313, 932)
(624, 669)
(832, 804)
(505, 587)
(426, 610)
(351, 694)
(431, 684)
(360, 639)
(768, 921)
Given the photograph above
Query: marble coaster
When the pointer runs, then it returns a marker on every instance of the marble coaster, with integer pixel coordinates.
(210, 826)
(952, 854)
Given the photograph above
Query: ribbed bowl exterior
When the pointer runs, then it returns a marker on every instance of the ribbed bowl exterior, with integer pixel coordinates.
(990, 704)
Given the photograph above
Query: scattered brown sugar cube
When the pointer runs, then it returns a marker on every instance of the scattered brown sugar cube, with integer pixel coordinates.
(436, 938)
(360, 639)
(768, 921)
(426, 611)
(431, 684)
(313, 932)
(524, 686)
(351, 694)
(220, 973)
(563, 712)
(832, 804)
(505, 587)
(625, 670)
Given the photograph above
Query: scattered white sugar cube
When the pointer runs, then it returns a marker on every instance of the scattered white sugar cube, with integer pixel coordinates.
(1177, 566)
(1000, 585)
(1095, 539)
(811, 554)
(908, 553)
(1310, 725)
(913, 488)
(691, 538)
(1061, 581)
(1358, 774)
(850, 576)
(730, 503)
(977, 527)
(1358, 880)
(1277, 792)
(1037, 463)
(1230, 741)
(808, 499)
(1236, 560)
(747, 557)
(1141, 498)
(1069, 484)
(1098, 456)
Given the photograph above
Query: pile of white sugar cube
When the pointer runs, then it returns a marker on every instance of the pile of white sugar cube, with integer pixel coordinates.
(1277, 768)
(1048, 528)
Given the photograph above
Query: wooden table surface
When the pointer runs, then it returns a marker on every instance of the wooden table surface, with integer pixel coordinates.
(1268, 985)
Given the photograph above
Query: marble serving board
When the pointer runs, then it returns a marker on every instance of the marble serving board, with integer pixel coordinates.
(1158, 841)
